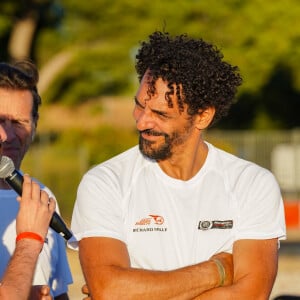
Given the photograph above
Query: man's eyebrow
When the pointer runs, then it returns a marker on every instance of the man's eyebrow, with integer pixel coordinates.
(158, 112)
(15, 119)
(22, 120)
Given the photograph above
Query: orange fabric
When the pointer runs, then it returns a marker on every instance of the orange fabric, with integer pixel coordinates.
(291, 209)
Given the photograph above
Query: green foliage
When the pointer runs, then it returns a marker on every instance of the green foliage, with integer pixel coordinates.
(101, 143)
(103, 36)
(94, 80)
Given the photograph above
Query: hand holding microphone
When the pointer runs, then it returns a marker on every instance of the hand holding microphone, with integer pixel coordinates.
(35, 212)
(15, 181)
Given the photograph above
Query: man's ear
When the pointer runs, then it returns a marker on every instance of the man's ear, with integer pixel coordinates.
(205, 117)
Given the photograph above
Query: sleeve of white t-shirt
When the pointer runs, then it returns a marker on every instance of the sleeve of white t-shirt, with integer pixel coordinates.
(98, 207)
(260, 206)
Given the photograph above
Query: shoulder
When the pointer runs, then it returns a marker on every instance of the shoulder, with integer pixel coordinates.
(238, 169)
(115, 175)
(124, 165)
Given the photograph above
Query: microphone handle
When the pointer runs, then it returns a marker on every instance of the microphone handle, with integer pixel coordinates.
(15, 180)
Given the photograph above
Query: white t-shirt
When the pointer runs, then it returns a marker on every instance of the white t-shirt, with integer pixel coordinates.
(168, 223)
(52, 267)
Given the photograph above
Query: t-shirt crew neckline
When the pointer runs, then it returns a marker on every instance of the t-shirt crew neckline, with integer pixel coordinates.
(178, 182)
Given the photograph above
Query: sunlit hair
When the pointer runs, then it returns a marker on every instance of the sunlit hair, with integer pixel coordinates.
(22, 75)
(192, 68)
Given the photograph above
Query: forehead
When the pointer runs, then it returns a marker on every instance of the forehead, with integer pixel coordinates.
(17, 103)
(159, 96)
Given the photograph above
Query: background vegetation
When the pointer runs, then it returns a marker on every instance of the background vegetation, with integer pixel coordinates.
(85, 52)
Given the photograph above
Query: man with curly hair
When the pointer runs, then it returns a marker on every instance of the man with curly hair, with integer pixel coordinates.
(175, 217)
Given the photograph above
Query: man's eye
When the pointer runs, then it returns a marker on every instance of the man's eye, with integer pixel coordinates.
(163, 115)
(15, 123)
(20, 124)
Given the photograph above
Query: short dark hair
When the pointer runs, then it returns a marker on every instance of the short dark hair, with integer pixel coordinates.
(201, 77)
(22, 75)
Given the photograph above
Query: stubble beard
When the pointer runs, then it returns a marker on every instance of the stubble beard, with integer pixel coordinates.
(158, 153)
(164, 150)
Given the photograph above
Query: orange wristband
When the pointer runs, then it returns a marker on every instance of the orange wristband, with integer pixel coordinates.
(29, 235)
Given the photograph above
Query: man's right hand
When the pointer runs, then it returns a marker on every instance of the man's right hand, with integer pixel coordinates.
(36, 209)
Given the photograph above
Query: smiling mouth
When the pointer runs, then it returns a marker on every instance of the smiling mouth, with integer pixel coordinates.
(149, 132)
(150, 137)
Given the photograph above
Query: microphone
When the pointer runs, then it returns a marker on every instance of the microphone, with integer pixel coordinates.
(15, 180)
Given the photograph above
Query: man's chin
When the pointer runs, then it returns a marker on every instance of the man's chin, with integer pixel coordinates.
(146, 153)
(155, 154)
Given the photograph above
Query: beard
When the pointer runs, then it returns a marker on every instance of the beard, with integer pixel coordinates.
(163, 150)
(150, 150)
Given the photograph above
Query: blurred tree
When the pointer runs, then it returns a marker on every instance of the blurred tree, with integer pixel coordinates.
(276, 105)
(21, 21)
(280, 99)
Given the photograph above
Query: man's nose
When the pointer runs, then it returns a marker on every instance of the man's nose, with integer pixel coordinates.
(144, 120)
(2, 134)
(6, 130)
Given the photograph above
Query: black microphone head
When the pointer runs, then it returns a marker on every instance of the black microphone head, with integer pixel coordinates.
(6, 167)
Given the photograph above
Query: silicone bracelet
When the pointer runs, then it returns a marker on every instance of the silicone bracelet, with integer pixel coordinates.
(29, 235)
(221, 270)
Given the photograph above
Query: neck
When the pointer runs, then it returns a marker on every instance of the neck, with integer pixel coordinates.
(186, 163)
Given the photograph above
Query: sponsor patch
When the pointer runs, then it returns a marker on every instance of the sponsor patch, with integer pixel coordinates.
(206, 225)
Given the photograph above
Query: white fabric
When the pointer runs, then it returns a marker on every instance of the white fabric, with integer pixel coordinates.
(52, 267)
(131, 199)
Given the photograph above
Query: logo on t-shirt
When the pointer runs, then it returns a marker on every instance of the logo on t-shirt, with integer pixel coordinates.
(150, 223)
(205, 225)
(158, 220)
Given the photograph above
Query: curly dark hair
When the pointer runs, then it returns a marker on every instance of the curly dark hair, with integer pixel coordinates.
(22, 75)
(196, 69)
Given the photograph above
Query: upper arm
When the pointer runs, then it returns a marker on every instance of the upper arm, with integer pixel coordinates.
(255, 266)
